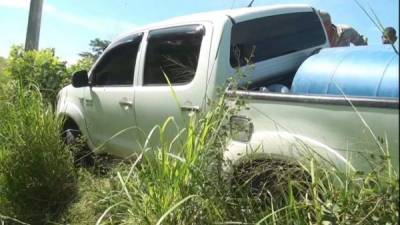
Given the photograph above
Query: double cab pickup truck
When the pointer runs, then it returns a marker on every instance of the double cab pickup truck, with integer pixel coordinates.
(338, 101)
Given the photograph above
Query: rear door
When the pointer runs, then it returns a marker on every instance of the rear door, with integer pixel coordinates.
(181, 54)
(109, 102)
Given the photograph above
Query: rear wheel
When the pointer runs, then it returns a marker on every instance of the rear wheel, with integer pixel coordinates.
(272, 179)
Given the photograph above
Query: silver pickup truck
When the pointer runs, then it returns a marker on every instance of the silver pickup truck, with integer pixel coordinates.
(127, 87)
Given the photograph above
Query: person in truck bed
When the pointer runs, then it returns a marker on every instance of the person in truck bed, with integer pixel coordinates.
(341, 35)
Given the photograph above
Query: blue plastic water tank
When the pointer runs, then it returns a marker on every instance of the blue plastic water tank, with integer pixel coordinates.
(358, 71)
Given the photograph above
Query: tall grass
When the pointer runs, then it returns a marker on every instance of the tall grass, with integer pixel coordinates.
(182, 182)
(168, 183)
(37, 177)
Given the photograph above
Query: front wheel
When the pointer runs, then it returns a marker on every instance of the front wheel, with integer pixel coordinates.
(83, 156)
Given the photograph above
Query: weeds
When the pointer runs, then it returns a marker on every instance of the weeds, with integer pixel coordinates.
(37, 176)
(172, 179)
(181, 181)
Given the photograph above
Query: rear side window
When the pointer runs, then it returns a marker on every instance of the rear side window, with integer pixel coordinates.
(265, 38)
(172, 52)
(117, 66)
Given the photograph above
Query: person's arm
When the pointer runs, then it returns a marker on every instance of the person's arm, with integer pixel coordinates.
(354, 37)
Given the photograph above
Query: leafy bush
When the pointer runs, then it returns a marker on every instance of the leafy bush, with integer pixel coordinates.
(37, 177)
(41, 68)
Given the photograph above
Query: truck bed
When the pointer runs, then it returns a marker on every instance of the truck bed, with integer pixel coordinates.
(340, 124)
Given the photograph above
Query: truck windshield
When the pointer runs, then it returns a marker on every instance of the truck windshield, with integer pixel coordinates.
(268, 37)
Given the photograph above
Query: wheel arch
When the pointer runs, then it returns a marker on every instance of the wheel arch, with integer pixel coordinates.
(283, 146)
(69, 122)
(73, 118)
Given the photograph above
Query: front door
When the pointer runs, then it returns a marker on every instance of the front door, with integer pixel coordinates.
(109, 105)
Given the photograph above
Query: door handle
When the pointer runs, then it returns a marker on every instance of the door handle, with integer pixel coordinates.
(88, 102)
(125, 102)
(193, 108)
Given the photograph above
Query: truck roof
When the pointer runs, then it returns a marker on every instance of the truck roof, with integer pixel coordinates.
(238, 15)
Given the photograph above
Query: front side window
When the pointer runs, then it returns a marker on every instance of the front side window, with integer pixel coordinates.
(117, 66)
(268, 37)
(172, 53)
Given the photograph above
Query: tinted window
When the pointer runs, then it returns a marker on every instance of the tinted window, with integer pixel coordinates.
(117, 66)
(273, 36)
(172, 52)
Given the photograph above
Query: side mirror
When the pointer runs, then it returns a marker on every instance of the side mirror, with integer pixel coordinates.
(80, 79)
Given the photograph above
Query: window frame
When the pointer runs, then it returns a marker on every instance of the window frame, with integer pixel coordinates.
(130, 38)
(144, 51)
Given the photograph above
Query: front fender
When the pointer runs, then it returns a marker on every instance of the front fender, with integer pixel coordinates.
(70, 110)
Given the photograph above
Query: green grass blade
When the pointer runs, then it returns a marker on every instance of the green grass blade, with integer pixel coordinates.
(173, 208)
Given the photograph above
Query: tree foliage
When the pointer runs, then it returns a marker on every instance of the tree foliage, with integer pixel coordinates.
(3, 64)
(97, 46)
